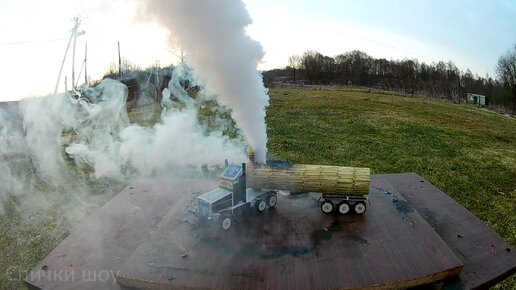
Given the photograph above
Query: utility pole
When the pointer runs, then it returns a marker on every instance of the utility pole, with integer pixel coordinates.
(74, 33)
(73, 61)
(77, 33)
(119, 61)
(85, 64)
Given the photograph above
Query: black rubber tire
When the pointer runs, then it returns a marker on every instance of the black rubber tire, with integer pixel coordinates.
(344, 205)
(359, 207)
(226, 222)
(260, 205)
(327, 207)
(272, 200)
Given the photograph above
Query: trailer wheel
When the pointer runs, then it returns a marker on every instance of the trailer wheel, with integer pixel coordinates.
(327, 207)
(226, 223)
(272, 200)
(344, 207)
(261, 205)
(359, 207)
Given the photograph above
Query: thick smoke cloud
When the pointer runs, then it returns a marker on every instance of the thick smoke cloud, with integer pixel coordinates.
(51, 139)
(212, 34)
(48, 140)
(116, 149)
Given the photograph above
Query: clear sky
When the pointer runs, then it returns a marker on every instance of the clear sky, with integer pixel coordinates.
(34, 35)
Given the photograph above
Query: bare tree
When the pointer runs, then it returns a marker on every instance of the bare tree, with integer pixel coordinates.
(313, 63)
(129, 66)
(438, 79)
(506, 71)
(295, 62)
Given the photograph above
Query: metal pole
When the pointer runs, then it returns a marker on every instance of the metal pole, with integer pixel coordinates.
(85, 64)
(73, 57)
(119, 61)
(79, 76)
(74, 29)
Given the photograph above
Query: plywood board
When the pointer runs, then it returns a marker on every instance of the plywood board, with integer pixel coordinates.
(96, 250)
(134, 216)
(294, 246)
(488, 258)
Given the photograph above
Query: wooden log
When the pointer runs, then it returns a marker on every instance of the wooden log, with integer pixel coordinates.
(311, 178)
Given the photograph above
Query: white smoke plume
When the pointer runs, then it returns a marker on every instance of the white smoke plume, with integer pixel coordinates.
(212, 34)
(47, 135)
(116, 149)
(41, 144)
(12, 160)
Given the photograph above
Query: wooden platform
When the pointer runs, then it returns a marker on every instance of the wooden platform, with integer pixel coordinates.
(94, 253)
(295, 246)
(488, 258)
(145, 236)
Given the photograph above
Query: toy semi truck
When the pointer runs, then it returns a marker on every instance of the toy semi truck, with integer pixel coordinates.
(343, 189)
(233, 197)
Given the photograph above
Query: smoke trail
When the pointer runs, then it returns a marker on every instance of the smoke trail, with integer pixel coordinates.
(212, 34)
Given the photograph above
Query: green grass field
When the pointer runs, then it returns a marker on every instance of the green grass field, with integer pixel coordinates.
(467, 152)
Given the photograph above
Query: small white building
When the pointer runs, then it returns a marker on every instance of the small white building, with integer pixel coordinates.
(476, 99)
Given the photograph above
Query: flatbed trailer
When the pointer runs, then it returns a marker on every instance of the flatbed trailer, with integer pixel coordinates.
(342, 189)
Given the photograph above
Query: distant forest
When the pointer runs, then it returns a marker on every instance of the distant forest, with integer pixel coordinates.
(356, 68)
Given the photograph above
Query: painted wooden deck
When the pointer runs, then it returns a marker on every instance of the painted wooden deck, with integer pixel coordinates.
(411, 234)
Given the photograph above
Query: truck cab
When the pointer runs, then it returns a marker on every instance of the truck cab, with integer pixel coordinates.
(223, 203)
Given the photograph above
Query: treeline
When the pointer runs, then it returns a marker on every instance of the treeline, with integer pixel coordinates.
(441, 79)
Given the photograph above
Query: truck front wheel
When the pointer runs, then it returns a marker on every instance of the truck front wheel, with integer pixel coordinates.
(226, 223)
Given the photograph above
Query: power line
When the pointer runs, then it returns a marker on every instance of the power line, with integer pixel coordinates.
(31, 41)
(350, 34)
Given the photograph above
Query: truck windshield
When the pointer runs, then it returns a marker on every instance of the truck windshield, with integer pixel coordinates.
(232, 172)
(203, 208)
